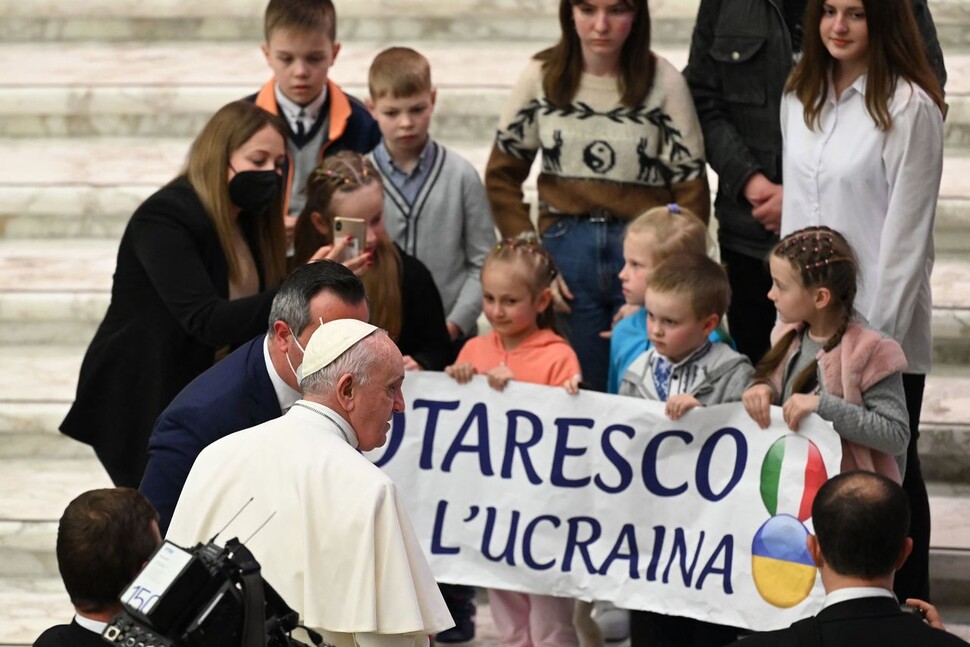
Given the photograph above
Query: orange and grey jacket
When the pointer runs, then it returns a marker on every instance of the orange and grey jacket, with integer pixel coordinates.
(351, 126)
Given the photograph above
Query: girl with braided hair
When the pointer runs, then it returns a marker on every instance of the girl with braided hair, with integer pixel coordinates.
(516, 298)
(522, 346)
(825, 360)
(403, 298)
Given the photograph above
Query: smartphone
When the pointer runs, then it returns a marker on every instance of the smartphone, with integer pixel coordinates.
(919, 613)
(354, 227)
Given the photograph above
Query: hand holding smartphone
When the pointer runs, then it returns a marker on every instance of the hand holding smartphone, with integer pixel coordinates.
(356, 228)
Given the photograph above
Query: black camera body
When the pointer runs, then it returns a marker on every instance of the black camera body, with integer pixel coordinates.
(208, 596)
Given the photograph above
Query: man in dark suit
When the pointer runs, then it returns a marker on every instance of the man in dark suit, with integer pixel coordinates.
(104, 539)
(254, 384)
(861, 525)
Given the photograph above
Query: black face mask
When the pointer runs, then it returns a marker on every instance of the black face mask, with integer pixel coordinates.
(254, 191)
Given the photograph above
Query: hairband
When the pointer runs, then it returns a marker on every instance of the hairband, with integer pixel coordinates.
(673, 207)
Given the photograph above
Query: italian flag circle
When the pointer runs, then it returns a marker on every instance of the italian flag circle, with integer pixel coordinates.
(791, 474)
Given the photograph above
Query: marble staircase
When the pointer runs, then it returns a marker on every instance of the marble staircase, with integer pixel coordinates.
(98, 103)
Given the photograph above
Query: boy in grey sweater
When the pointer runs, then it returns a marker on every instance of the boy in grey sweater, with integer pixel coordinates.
(435, 209)
(434, 202)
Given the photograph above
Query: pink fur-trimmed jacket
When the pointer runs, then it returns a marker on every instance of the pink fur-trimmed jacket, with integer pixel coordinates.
(863, 358)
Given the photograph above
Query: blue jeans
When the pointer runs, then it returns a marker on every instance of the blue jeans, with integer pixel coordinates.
(589, 254)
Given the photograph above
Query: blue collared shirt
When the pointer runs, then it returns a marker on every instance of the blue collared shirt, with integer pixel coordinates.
(409, 184)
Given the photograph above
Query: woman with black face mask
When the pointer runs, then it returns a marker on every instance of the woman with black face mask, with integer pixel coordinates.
(198, 266)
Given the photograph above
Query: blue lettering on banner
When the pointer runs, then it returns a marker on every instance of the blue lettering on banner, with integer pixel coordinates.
(623, 468)
(675, 561)
(563, 450)
(477, 418)
(649, 465)
(659, 532)
(628, 540)
(527, 556)
(524, 431)
(508, 553)
(680, 548)
(512, 443)
(726, 547)
(574, 543)
(703, 471)
(437, 548)
(434, 408)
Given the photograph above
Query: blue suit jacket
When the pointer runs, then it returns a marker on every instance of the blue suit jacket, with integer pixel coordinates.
(234, 394)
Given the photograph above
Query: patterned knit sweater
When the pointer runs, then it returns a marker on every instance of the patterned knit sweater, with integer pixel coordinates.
(597, 154)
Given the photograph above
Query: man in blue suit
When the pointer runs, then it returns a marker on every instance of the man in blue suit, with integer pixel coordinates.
(255, 383)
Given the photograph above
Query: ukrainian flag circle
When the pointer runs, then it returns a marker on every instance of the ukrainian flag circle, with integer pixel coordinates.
(781, 567)
(791, 474)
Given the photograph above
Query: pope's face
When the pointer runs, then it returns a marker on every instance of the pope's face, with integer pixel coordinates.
(378, 398)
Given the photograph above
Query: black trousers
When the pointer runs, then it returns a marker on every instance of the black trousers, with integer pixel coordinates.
(751, 316)
(913, 579)
(648, 629)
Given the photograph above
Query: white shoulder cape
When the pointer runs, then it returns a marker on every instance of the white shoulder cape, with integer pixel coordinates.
(340, 548)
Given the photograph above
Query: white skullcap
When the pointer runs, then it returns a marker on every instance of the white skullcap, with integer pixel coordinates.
(331, 340)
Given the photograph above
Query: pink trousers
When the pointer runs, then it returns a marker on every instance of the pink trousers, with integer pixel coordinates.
(527, 620)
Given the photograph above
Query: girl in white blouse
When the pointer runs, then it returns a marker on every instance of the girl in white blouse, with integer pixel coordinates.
(862, 122)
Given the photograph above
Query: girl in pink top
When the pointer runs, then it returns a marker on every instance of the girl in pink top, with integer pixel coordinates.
(522, 346)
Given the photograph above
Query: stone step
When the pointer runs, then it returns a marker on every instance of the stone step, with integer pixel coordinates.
(950, 543)
(88, 187)
(469, 112)
(159, 111)
(161, 90)
(184, 20)
(28, 606)
(456, 20)
(58, 290)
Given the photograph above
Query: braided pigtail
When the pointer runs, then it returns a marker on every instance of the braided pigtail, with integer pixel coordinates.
(823, 258)
(342, 173)
(526, 250)
(767, 364)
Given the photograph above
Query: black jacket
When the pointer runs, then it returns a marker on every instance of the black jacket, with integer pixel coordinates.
(865, 622)
(72, 635)
(169, 314)
(740, 57)
(424, 332)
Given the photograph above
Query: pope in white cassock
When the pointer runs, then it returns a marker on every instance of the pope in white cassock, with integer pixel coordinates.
(339, 547)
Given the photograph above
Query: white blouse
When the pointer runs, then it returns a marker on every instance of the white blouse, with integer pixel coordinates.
(878, 189)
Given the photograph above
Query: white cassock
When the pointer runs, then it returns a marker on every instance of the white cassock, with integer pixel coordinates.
(340, 548)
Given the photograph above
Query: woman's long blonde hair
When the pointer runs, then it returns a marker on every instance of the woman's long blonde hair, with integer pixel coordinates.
(346, 172)
(207, 172)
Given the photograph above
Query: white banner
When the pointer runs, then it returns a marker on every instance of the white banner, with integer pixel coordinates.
(602, 497)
